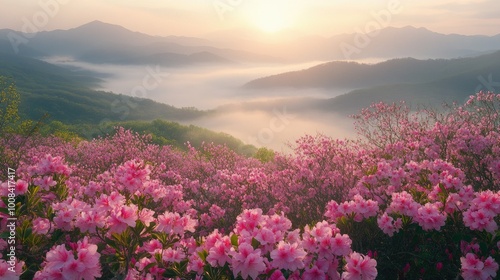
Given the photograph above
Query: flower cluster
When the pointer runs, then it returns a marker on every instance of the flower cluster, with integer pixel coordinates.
(417, 196)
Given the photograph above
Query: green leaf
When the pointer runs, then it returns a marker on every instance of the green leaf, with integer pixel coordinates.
(203, 255)
(169, 273)
(4, 210)
(234, 240)
(27, 232)
(255, 243)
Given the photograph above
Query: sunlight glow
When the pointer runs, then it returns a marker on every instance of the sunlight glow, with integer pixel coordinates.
(272, 16)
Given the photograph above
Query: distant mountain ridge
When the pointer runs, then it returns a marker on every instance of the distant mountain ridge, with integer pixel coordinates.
(92, 41)
(102, 42)
(386, 43)
(419, 82)
(349, 75)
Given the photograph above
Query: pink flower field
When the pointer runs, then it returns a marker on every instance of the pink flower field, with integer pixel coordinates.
(416, 196)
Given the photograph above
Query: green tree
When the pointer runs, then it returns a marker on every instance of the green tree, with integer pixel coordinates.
(9, 104)
(14, 132)
(264, 155)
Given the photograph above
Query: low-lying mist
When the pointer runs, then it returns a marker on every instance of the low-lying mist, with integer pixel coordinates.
(271, 118)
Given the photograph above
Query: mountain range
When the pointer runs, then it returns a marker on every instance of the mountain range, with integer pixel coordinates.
(386, 43)
(431, 81)
(100, 42)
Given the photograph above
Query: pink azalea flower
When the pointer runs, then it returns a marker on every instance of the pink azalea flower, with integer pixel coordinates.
(429, 217)
(173, 256)
(277, 275)
(341, 244)
(132, 175)
(45, 182)
(195, 264)
(90, 220)
(50, 164)
(218, 255)
(41, 226)
(313, 273)
(153, 246)
(480, 219)
(474, 268)
(122, 217)
(247, 262)
(359, 267)
(6, 272)
(173, 223)
(265, 236)
(490, 267)
(146, 216)
(61, 263)
(21, 187)
(58, 257)
(321, 229)
(387, 224)
(403, 204)
(249, 220)
(288, 256)
(142, 263)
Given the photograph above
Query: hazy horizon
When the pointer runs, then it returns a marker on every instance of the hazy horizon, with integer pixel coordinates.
(209, 18)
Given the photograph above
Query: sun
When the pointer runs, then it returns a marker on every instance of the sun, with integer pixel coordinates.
(272, 16)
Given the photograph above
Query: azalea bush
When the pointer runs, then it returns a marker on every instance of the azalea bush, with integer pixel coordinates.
(416, 196)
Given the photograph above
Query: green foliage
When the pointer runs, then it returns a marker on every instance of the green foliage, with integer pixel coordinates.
(11, 124)
(61, 130)
(264, 155)
(9, 103)
(172, 133)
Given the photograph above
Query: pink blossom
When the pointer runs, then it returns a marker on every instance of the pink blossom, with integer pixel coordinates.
(313, 273)
(403, 204)
(480, 219)
(41, 226)
(153, 246)
(7, 272)
(341, 245)
(218, 255)
(146, 216)
(277, 275)
(171, 255)
(359, 267)
(21, 187)
(474, 268)
(196, 264)
(247, 262)
(122, 217)
(46, 182)
(429, 217)
(132, 175)
(322, 229)
(387, 224)
(173, 223)
(50, 164)
(142, 263)
(90, 221)
(248, 220)
(58, 257)
(288, 256)
(110, 202)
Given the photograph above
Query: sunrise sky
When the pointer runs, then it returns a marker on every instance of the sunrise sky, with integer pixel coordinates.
(312, 17)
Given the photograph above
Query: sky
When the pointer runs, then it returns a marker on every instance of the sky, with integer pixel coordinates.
(200, 18)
